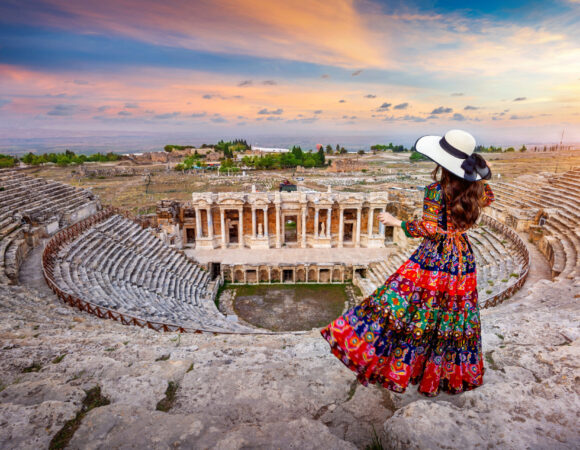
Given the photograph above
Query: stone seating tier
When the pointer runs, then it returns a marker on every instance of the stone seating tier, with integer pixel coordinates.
(40, 203)
(119, 266)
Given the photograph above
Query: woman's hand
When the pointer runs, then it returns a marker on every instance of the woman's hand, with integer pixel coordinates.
(389, 220)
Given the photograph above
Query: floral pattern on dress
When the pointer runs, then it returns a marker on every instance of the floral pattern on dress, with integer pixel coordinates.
(422, 326)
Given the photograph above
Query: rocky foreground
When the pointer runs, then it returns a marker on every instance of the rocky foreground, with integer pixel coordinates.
(284, 391)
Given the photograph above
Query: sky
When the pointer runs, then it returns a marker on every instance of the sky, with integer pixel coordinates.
(507, 71)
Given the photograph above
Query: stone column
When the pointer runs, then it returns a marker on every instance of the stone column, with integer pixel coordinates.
(328, 224)
(371, 218)
(358, 220)
(303, 227)
(223, 227)
(381, 225)
(197, 223)
(266, 222)
(278, 245)
(241, 228)
(341, 226)
(316, 223)
(253, 222)
(209, 223)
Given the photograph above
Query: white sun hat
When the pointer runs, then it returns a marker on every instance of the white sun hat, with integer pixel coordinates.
(456, 152)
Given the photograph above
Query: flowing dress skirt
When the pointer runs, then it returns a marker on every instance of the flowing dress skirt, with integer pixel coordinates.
(421, 326)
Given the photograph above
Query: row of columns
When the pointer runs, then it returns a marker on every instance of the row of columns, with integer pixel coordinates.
(327, 233)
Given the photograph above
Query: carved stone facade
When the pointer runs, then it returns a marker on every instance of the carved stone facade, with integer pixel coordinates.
(260, 220)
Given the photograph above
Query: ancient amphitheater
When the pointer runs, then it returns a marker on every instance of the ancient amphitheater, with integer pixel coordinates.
(111, 337)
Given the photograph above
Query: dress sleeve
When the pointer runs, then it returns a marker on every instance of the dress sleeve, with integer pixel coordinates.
(427, 225)
(488, 195)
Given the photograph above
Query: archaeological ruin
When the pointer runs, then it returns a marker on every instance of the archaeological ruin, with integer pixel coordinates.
(91, 295)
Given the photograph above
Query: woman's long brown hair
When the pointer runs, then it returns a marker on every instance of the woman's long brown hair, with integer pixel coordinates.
(464, 198)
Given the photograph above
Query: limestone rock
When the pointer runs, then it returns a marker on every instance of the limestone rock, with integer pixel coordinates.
(124, 426)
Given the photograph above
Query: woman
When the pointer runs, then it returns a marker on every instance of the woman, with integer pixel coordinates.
(422, 325)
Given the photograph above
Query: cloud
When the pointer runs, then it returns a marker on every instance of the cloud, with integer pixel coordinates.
(3, 102)
(170, 115)
(62, 95)
(304, 120)
(325, 76)
(81, 82)
(370, 96)
(103, 108)
(131, 105)
(209, 96)
(266, 111)
(315, 31)
(342, 101)
(245, 83)
(356, 73)
(273, 118)
(406, 117)
(441, 110)
(62, 110)
(269, 83)
(516, 117)
(218, 120)
(239, 124)
(457, 94)
(458, 117)
(471, 108)
(519, 99)
(401, 106)
(124, 113)
(318, 111)
(197, 115)
(385, 106)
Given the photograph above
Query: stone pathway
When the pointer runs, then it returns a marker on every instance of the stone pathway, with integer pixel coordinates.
(290, 255)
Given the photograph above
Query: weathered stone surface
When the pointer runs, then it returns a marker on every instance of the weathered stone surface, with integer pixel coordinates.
(279, 391)
(122, 426)
(33, 426)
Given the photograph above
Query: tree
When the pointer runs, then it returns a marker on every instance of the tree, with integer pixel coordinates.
(416, 156)
(510, 149)
(523, 149)
(321, 159)
(342, 150)
(328, 149)
(361, 152)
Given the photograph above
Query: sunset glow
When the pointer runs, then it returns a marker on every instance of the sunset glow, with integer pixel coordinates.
(507, 71)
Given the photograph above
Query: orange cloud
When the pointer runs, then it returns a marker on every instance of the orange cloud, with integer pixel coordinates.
(316, 31)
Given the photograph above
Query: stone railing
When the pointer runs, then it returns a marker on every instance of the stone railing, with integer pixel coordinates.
(66, 236)
(523, 252)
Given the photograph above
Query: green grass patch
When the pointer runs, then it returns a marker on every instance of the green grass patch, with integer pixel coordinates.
(489, 291)
(376, 443)
(166, 403)
(34, 367)
(222, 288)
(93, 399)
(514, 275)
(58, 358)
(190, 368)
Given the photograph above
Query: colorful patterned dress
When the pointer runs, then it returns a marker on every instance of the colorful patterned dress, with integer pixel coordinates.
(422, 325)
